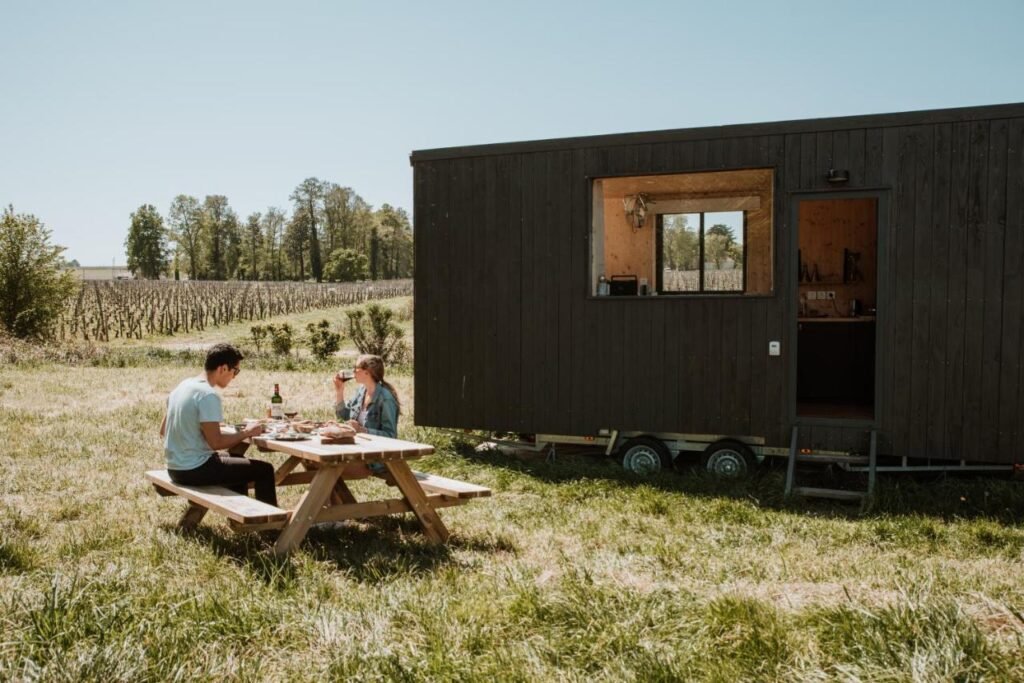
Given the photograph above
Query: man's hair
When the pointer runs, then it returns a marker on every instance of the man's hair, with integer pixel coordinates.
(222, 354)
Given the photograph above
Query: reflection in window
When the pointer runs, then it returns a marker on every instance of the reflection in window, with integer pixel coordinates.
(702, 252)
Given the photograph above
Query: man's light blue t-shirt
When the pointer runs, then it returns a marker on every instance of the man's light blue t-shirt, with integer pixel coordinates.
(192, 402)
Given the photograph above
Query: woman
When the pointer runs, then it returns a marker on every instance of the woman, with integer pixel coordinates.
(374, 408)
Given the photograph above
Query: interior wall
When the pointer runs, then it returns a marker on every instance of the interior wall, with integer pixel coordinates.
(627, 251)
(827, 226)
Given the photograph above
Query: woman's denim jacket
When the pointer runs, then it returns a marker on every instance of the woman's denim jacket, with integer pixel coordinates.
(381, 414)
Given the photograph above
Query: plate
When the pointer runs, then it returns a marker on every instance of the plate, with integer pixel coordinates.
(291, 437)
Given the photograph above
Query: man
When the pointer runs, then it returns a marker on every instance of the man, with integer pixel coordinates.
(192, 436)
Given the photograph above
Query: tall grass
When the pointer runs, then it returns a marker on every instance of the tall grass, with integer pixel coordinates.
(575, 570)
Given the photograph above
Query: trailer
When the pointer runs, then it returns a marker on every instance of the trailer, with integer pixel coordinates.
(842, 290)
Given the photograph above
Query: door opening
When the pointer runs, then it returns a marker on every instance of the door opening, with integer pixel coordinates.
(837, 290)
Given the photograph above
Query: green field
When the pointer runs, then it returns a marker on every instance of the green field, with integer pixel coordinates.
(574, 570)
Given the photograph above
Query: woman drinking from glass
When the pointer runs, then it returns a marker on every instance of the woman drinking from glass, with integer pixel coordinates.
(374, 408)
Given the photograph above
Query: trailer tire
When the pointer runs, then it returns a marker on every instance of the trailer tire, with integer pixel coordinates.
(729, 459)
(645, 455)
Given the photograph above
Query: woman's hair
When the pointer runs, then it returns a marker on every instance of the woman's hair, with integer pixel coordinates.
(375, 366)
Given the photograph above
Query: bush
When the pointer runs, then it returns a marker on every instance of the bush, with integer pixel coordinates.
(34, 287)
(322, 341)
(346, 265)
(282, 338)
(259, 336)
(374, 331)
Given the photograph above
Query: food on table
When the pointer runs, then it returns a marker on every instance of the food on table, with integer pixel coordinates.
(337, 434)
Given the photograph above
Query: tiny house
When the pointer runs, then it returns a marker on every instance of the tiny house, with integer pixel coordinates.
(816, 285)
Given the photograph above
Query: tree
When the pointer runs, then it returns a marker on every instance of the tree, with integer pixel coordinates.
(294, 243)
(146, 244)
(337, 217)
(218, 221)
(232, 245)
(396, 242)
(346, 265)
(374, 254)
(308, 197)
(186, 226)
(34, 287)
(250, 267)
(273, 234)
(720, 244)
(681, 245)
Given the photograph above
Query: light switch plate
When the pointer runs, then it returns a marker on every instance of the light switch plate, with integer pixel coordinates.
(830, 294)
(774, 348)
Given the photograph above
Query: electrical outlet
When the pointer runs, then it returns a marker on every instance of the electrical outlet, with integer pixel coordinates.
(812, 295)
(830, 294)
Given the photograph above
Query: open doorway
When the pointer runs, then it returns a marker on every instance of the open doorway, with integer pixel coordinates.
(837, 298)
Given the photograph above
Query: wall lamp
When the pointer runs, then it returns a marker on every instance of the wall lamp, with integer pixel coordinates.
(837, 176)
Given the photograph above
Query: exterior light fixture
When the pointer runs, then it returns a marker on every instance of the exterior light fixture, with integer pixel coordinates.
(837, 176)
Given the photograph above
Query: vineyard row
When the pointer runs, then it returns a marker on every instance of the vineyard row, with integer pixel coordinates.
(131, 309)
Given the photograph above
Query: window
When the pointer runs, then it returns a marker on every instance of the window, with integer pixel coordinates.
(701, 252)
(683, 234)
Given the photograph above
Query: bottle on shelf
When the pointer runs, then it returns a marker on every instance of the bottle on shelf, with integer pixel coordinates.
(277, 404)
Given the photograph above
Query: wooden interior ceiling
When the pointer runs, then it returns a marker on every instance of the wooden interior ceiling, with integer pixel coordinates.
(754, 180)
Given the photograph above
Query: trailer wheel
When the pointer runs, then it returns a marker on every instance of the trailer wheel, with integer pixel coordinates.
(645, 455)
(729, 459)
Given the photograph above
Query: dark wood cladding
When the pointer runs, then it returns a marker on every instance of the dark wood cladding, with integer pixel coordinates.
(507, 337)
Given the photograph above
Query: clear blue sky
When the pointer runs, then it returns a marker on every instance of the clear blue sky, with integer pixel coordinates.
(105, 106)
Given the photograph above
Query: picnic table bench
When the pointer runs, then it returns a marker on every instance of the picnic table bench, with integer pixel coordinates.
(328, 497)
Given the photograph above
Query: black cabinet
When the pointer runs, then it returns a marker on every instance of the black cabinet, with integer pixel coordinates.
(836, 360)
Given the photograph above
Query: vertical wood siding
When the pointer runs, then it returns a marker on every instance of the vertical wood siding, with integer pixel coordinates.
(508, 339)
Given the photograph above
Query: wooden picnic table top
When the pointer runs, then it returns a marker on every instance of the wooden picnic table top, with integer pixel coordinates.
(367, 448)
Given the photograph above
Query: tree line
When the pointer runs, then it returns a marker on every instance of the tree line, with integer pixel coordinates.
(332, 234)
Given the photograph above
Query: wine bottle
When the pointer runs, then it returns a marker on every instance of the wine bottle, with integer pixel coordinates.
(277, 404)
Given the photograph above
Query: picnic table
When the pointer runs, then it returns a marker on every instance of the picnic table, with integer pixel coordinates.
(325, 469)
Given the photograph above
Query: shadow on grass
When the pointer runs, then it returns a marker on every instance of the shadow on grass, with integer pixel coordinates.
(371, 552)
(945, 496)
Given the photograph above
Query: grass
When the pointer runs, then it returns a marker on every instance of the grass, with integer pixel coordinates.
(574, 570)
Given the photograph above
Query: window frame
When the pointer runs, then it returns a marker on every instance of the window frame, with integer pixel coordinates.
(591, 269)
(659, 258)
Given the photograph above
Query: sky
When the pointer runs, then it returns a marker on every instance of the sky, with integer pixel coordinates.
(106, 106)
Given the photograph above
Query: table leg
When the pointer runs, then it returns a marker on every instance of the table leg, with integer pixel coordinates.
(343, 494)
(285, 469)
(193, 515)
(406, 482)
(309, 507)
